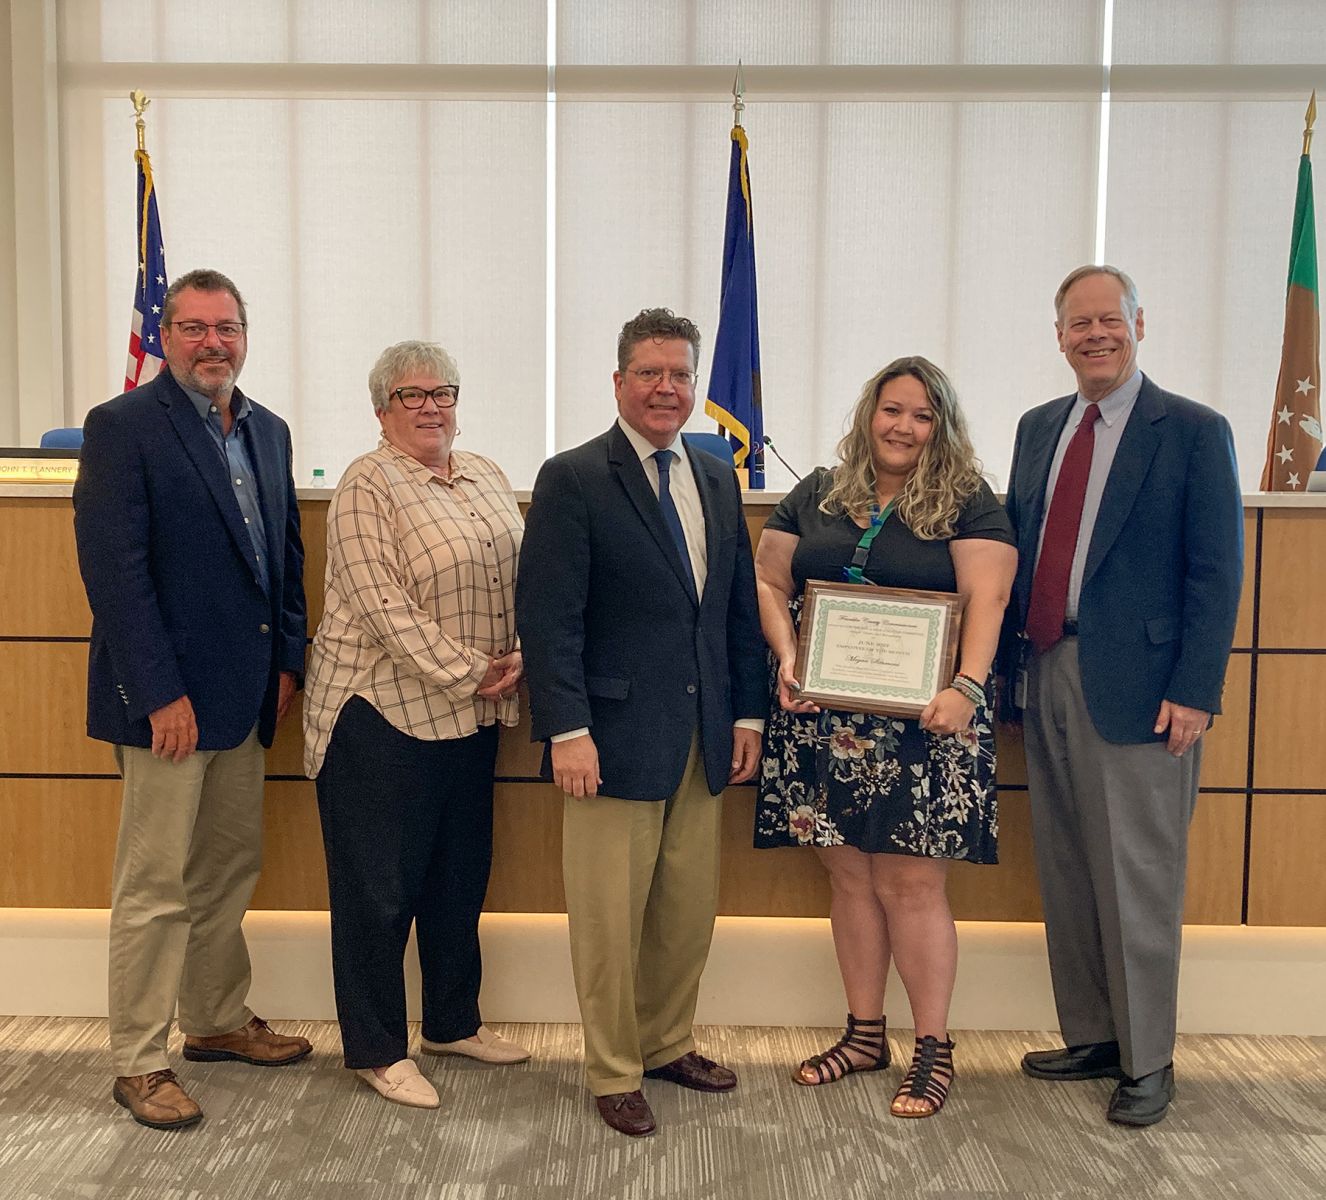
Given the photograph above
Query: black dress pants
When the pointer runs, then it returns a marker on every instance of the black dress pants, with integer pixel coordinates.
(407, 826)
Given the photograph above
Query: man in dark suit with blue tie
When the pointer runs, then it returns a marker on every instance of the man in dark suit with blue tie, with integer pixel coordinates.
(1126, 503)
(188, 542)
(636, 608)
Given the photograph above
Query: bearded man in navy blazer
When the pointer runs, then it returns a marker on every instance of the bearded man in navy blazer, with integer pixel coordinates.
(188, 542)
(1125, 499)
(636, 608)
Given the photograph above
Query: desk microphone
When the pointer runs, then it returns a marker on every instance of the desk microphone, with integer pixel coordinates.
(768, 441)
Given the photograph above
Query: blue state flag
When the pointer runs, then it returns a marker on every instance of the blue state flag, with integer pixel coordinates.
(734, 398)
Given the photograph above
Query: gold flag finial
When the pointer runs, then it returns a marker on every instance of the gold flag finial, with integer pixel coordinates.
(738, 90)
(1310, 119)
(140, 102)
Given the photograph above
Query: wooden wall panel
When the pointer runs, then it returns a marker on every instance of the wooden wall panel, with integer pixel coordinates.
(57, 842)
(41, 592)
(1285, 868)
(43, 711)
(294, 872)
(1291, 745)
(57, 835)
(785, 882)
(1009, 891)
(1225, 755)
(1243, 628)
(1293, 579)
(313, 530)
(1215, 860)
(527, 849)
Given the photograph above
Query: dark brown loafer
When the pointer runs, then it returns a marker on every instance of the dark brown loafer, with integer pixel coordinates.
(156, 1100)
(695, 1071)
(253, 1043)
(626, 1112)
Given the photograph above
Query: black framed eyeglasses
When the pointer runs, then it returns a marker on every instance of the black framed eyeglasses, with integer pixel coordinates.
(444, 396)
(195, 331)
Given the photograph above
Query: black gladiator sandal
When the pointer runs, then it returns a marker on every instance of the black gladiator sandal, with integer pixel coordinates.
(865, 1037)
(921, 1082)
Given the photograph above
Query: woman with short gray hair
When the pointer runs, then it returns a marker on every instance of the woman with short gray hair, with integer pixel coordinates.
(414, 666)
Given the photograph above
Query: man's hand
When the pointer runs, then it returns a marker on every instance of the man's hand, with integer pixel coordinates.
(745, 754)
(1185, 726)
(575, 766)
(285, 694)
(174, 730)
(511, 667)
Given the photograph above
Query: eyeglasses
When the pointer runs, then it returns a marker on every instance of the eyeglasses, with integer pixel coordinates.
(653, 376)
(444, 396)
(195, 331)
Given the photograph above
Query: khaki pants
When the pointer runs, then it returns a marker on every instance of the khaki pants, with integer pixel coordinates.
(641, 895)
(187, 859)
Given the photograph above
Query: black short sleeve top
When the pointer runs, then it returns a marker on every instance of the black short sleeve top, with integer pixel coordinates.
(898, 558)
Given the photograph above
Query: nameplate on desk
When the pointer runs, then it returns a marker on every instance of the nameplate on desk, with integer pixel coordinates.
(38, 468)
(874, 649)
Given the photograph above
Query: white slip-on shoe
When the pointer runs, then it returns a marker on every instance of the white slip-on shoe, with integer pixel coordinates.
(402, 1083)
(485, 1045)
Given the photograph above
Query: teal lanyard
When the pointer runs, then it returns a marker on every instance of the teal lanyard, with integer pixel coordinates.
(855, 573)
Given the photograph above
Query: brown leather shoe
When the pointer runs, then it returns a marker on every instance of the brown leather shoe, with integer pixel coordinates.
(156, 1100)
(695, 1071)
(253, 1043)
(626, 1112)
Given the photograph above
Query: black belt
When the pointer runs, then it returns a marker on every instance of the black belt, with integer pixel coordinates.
(1070, 629)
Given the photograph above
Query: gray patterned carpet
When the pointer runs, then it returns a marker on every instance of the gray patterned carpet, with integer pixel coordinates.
(1250, 1120)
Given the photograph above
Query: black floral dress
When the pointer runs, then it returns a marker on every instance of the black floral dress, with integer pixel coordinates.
(879, 783)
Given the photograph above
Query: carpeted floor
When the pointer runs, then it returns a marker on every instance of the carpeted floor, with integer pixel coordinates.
(1250, 1120)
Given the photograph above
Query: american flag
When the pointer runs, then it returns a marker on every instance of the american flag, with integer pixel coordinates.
(145, 357)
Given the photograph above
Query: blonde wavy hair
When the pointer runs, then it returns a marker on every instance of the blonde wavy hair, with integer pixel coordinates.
(946, 475)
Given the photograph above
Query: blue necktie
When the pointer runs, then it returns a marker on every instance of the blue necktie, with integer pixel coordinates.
(671, 518)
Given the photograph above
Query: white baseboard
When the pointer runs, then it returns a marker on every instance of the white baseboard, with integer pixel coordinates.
(762, 971)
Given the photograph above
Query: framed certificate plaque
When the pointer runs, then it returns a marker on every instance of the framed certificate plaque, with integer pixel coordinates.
(875, 649)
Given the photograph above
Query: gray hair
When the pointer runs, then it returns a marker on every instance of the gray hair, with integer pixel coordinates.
(655, 324)
(1131, 304)
(408, 358)
(201, 280)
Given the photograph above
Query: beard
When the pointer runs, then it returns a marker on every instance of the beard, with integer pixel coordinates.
(213, 383)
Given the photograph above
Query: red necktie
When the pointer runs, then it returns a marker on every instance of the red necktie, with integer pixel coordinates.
(1049, 587)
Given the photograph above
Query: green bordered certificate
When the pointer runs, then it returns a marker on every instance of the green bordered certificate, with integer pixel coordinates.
(874, 649)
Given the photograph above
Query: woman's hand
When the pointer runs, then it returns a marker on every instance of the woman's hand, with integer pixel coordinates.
(789, 690)
(949, 712)
(503, 677)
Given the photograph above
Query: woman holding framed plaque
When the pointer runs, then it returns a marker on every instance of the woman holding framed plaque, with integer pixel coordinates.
(888, 799)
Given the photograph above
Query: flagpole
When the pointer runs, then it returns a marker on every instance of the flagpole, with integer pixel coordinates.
(739, 90)
(1310, 119)
(140, 103)
(150, 277)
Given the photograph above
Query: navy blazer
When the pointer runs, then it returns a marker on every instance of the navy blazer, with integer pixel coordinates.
(612, 633)
(177, 606)
(1160, 591)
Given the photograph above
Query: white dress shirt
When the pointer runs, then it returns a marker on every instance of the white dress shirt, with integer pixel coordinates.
(1115, 409)
(685, 495)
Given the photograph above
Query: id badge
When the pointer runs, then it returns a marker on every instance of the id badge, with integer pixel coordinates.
(1020, 687)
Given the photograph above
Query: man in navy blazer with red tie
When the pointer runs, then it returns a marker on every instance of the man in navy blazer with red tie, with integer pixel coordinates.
(1125, 499)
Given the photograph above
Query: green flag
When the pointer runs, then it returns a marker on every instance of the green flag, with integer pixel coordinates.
(1294, 444)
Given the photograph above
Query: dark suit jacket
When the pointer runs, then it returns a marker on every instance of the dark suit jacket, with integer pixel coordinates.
(1160, 591)
(177, 606)
(612, 635)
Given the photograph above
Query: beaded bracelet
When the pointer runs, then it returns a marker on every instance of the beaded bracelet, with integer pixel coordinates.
(970, 688)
